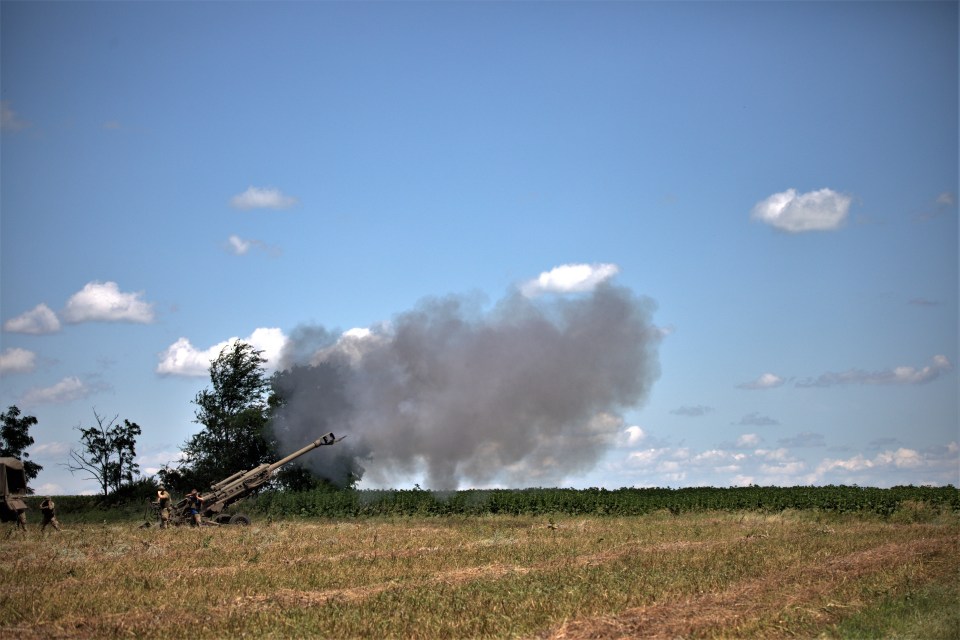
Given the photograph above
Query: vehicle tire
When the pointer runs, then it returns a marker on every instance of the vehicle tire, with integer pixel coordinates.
(240, 519)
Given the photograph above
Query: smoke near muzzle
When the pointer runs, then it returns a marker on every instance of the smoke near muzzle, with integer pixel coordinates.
(527, 393)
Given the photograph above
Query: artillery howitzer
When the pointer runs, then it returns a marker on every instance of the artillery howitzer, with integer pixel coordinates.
(238, 486)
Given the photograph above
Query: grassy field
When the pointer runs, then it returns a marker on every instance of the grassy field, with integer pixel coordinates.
(710, 574)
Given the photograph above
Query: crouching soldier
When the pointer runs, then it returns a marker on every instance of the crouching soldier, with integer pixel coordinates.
(49, 511)
(163, 506)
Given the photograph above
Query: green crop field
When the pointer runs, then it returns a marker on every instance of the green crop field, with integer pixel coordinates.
(681, 572)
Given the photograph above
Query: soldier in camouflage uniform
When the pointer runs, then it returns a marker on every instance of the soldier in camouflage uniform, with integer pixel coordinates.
(49, 511)
(163, 504)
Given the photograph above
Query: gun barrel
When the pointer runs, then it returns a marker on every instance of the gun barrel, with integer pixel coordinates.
(325, 440)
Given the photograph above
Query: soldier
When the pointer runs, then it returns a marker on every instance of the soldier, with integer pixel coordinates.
(195, 503)
(163, 503)
(22, 519)
(49, 511)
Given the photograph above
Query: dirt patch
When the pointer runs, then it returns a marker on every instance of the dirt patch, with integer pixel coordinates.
(749, 599)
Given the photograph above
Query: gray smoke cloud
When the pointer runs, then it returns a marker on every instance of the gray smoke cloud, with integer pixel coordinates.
(524, 394)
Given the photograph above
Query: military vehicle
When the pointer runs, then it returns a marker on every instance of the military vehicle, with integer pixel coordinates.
(238, 486)
(13, 489)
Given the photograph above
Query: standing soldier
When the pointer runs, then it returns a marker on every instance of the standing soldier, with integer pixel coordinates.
(163, 503)
(49, 511)
(22, 519)
(195, 502)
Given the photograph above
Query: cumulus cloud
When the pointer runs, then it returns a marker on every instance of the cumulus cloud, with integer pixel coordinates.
(104, 302)
(632, 436)
(793, 212)
(9, 120)
(262, 198)
(897, 376)
(67, 390)
(37, 321)
(765, 381)
(748, 441)
(901, 458)
(17, 360)
(746, 463)
(569, 278)
(183, 359)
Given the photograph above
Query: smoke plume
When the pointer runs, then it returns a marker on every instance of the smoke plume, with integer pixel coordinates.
(527, 393)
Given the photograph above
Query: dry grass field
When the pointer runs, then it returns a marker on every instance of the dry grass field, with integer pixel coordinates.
(706, 575)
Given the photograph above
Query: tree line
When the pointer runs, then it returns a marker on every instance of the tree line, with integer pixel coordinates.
(234, 414)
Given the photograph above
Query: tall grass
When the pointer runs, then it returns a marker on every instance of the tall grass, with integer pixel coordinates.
(711, 573)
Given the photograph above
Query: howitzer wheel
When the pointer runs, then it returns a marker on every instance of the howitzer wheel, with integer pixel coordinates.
(240, 519)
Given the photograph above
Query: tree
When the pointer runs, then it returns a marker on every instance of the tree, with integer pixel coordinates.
(235, 435)
(109, 451)
(15, 438)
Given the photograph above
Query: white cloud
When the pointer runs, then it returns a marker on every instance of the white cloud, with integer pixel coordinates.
(183, 359)
(893, 466)
(903, 375)
(946, 199)
(632, 436)
(749, 441)
(17, 360)
(569, 278)
(780, 454)
(49, 489)
(104, 302)
(39, 320)
(238, 246)
(646, 457)
(151, 463)
(784, 470)
(765, 381)
(241, 246)
(47, 450)
(262, 198)
(794, 212)
(9, 120)
(729, 466)
(67, 390)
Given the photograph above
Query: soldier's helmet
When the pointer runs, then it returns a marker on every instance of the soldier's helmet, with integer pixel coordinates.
(161, 488)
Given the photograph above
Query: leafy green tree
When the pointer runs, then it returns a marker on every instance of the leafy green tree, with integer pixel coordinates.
(233, 412)
(15, 438)
(108, 454)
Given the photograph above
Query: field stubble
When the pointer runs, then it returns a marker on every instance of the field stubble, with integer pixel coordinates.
(659, 575)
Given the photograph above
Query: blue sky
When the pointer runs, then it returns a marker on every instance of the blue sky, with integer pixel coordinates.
(779, 179)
